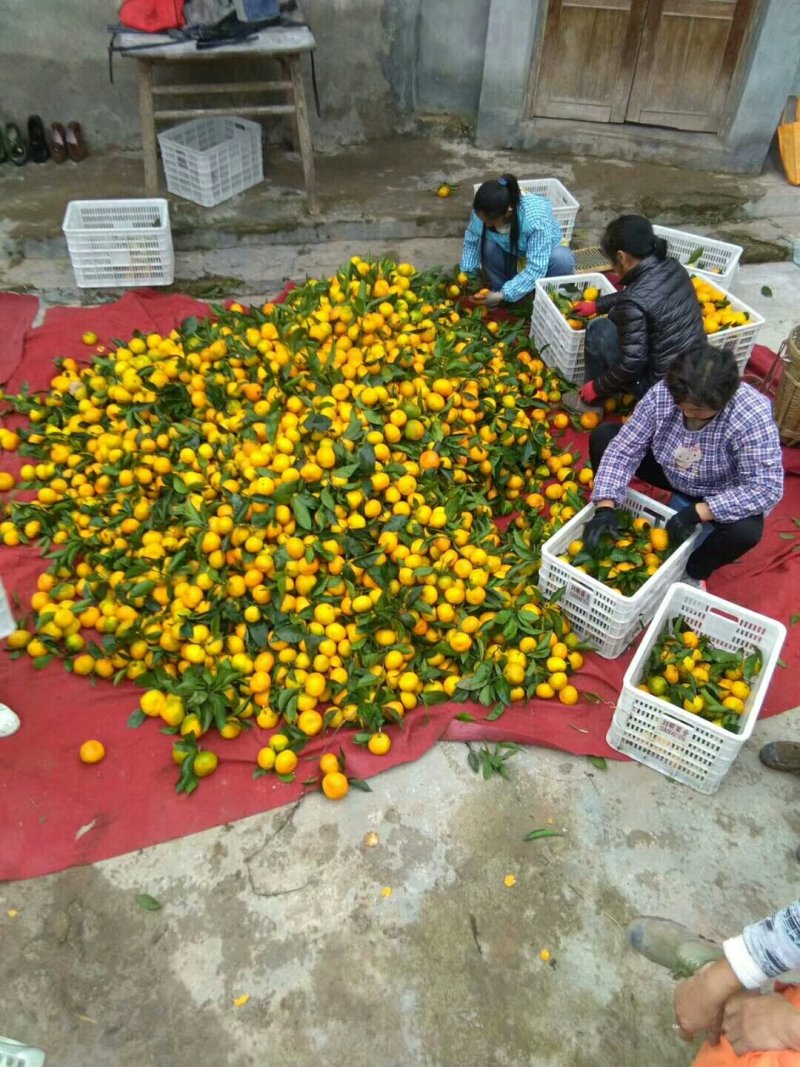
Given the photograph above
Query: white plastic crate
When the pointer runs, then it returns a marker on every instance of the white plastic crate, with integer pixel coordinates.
(600, 616)
(212, 159)
(740, 339)
(15, 1054)
(722, 257)
(675, 742)
(119, 242)
(565, 206)
(557, 343)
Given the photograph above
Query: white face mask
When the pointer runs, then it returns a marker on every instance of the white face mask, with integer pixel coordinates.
(503, 229)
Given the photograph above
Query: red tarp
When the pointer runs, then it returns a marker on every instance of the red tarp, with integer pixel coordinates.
(17, 312)
(55, 812)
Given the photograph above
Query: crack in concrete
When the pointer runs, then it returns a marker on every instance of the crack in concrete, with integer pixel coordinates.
(268, 841)
(473, 922)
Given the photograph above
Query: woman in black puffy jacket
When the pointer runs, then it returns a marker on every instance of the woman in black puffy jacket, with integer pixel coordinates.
(654, 318)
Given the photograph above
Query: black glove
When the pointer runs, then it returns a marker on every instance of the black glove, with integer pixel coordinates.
(682, 525)
(604, 521)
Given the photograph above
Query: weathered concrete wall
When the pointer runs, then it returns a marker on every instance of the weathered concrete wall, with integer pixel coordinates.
(380, 64)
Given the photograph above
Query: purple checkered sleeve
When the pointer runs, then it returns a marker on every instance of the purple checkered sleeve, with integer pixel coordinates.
(767, 949)
(733, 463)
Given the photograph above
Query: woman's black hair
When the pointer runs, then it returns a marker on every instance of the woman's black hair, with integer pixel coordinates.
(633, 234)
(493, 199)
(705, 376)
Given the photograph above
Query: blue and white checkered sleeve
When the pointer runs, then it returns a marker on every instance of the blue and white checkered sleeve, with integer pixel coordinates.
(471, 254)
(625, 452)
(537, 257)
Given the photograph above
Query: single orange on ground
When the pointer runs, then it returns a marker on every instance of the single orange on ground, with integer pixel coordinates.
(335, 785)
(92, 751)
(286, 761)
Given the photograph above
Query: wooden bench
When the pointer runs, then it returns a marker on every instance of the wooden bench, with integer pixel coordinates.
(284, 43)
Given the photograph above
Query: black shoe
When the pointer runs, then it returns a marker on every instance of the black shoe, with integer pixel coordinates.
(37, 142)
(781, 756)
(15, 145)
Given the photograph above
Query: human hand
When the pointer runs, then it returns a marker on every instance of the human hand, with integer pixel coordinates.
(604, 521)
(754, 1023)
(682, 525)
(492, 299)
(700, 1000)
(586, 308)
(588, 393)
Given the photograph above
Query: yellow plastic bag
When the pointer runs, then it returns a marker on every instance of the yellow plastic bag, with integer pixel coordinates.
(789, 141)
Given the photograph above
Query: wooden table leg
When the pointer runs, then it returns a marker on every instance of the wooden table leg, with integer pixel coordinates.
(290, 100)
(304, 133)
(148, 124)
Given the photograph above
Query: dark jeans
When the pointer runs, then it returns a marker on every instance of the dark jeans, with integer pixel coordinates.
(601, 351)
(498, 266)
(727, 541)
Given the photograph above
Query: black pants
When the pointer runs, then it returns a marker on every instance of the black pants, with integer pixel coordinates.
(727, 542)
(602, 351)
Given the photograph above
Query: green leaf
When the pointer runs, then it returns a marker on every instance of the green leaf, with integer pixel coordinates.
(783, 663)
(136, 718)
(301, 513)
(144, 900)
(496, 712)
(766, 291)
(536, 835)
(473, 761)
(695, 257)
(794, 619)
(466, 717)
(787, 536)
(359, 783)
(599, 762)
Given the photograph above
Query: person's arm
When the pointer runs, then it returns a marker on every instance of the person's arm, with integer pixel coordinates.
(606, 302)
(471, 253)
(762, 951)
(759, 466)
(631, 323)
(625, 453)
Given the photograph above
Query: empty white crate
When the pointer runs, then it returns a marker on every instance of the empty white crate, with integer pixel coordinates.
(599, 615)
(556, 342)
(720, 261)
(565, 206)
(740, 339)
(119, 242)
(212, 159)
(675, 742)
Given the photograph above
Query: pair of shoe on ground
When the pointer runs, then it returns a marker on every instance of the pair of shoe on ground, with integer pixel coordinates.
(65, 143)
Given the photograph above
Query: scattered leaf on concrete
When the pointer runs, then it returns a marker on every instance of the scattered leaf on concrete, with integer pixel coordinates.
(766, 291)
(386, 891)
(371, 839)
(144, 900)
(599, 762)
(239, 1001)
(85, 1019)
(12, 913)
(544, 955)
(535, 835)
(509, 881)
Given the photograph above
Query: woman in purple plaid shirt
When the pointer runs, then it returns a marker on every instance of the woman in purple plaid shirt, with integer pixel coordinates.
(705, 436)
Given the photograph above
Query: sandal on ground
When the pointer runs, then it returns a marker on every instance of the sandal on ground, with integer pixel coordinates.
(58, 142)
(15, 145)
(37, 142)
(76, 146)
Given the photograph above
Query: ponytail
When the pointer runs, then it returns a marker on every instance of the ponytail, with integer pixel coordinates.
(659, 248)
(494, 198)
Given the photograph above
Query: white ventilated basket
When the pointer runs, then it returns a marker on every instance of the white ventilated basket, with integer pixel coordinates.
(565, 206)
(556, 342)
(212, 159)
(115, 243)
(15, 1054)
(720, 261)
(675, 742)
(740, 339)
(606, 620)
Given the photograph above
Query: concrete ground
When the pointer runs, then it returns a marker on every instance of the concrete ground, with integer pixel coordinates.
(293, 908)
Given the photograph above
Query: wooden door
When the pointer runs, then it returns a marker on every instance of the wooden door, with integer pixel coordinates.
(587, 59)
(686, 62)
(656, 62)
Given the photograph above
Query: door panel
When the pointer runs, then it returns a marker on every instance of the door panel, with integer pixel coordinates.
(588, 58)
(656, 62)
(686, 62)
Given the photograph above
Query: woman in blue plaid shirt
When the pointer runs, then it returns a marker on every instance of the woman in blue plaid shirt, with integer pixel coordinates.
(705, 436)
(506, 228)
